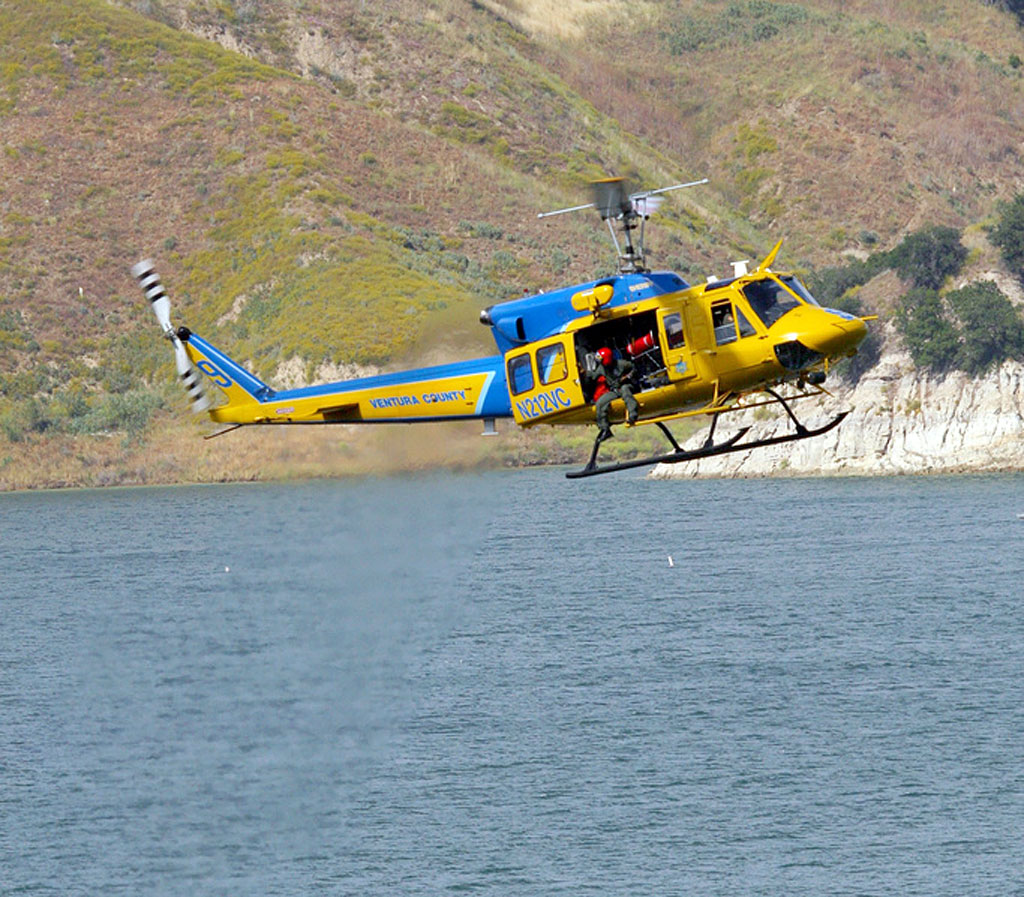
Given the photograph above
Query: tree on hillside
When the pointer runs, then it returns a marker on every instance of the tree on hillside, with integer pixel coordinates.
(830, 284)
(929, 335)
(926, 258)
(1008, 234)
(992, 330)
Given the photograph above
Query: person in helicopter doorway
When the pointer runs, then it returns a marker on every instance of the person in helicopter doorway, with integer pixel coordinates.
(611, 381)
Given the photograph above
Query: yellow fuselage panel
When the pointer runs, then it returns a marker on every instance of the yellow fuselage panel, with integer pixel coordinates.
(450, 397)
(687, 395)
(711, 370)
(821, 330)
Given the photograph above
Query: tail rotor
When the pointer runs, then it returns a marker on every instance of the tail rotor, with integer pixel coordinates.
(189, 374)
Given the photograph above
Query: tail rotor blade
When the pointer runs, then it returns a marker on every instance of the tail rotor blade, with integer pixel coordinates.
(149, 280)
(191, 379)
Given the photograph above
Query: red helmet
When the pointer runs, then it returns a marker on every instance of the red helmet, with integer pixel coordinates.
(605, 355)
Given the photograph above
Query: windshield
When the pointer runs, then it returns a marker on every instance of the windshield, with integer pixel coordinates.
(769, 300)
(797, 287)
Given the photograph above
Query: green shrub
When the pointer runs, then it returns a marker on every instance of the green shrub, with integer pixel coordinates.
(482, 229)
(465, 125)
(925, 258)
(991, 329)
(983, 331)
(127, 412)
(751, 22)
(1008, 234)
(69, 411)
(928, 257)
(829, 284)
(930, 337)
(13, 332)
(24, 417)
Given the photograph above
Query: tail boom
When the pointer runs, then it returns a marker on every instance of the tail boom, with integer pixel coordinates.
(462, 391)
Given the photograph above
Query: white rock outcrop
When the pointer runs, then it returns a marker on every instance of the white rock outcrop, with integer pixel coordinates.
(901, 421)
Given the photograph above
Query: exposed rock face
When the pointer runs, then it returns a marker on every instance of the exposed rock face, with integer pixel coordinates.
(294, 373)
(903, 421)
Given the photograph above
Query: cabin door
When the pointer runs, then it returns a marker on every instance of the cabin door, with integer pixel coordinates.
(678, 361)
(738, 348)
(543, 379)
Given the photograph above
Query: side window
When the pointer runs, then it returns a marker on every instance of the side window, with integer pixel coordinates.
(722, 321)
(551, 364)
(674, 338)
(746, 328)
(520, 374)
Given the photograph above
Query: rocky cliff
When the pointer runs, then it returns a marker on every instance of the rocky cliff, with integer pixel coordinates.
(902, 421)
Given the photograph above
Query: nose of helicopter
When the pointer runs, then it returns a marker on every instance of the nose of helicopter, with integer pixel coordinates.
(834, 333)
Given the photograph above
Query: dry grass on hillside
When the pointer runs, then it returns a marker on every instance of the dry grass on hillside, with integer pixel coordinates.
(564, 19)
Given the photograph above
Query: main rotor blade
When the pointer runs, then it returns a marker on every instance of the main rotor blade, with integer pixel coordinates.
(588, 205)
(668, 189)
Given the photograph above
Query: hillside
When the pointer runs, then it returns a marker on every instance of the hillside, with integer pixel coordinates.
(347, 184)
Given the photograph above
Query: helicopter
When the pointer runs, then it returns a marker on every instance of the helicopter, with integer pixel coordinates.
(756, 338)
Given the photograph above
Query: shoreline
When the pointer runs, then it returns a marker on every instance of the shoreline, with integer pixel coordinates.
(178, 456)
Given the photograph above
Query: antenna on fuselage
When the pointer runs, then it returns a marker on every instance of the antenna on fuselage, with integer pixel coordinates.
(614, 203)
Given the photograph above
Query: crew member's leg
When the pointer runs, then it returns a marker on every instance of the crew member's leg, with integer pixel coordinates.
(601, 407)
(632, 408)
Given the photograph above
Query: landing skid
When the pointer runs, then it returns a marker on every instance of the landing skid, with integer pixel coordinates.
(710, 448)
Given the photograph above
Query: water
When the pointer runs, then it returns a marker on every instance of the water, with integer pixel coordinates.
(497, 684)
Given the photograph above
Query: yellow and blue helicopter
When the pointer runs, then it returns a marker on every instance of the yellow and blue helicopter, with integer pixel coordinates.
(696, 350)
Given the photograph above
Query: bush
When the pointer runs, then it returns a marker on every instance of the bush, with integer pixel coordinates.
(991, 329)
(1008, 234)
(930, 337)
(925, 258)
(482, 229)
(752, 21)
(33, 415)
(987, 331)
(829, 284)
(68, 411)
(928, 257)
(128, 413)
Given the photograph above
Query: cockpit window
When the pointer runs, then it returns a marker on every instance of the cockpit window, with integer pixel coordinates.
(769, 300)
(746, 328)
(797, 287)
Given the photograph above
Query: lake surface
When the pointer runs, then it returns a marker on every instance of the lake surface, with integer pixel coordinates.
(499, 684)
